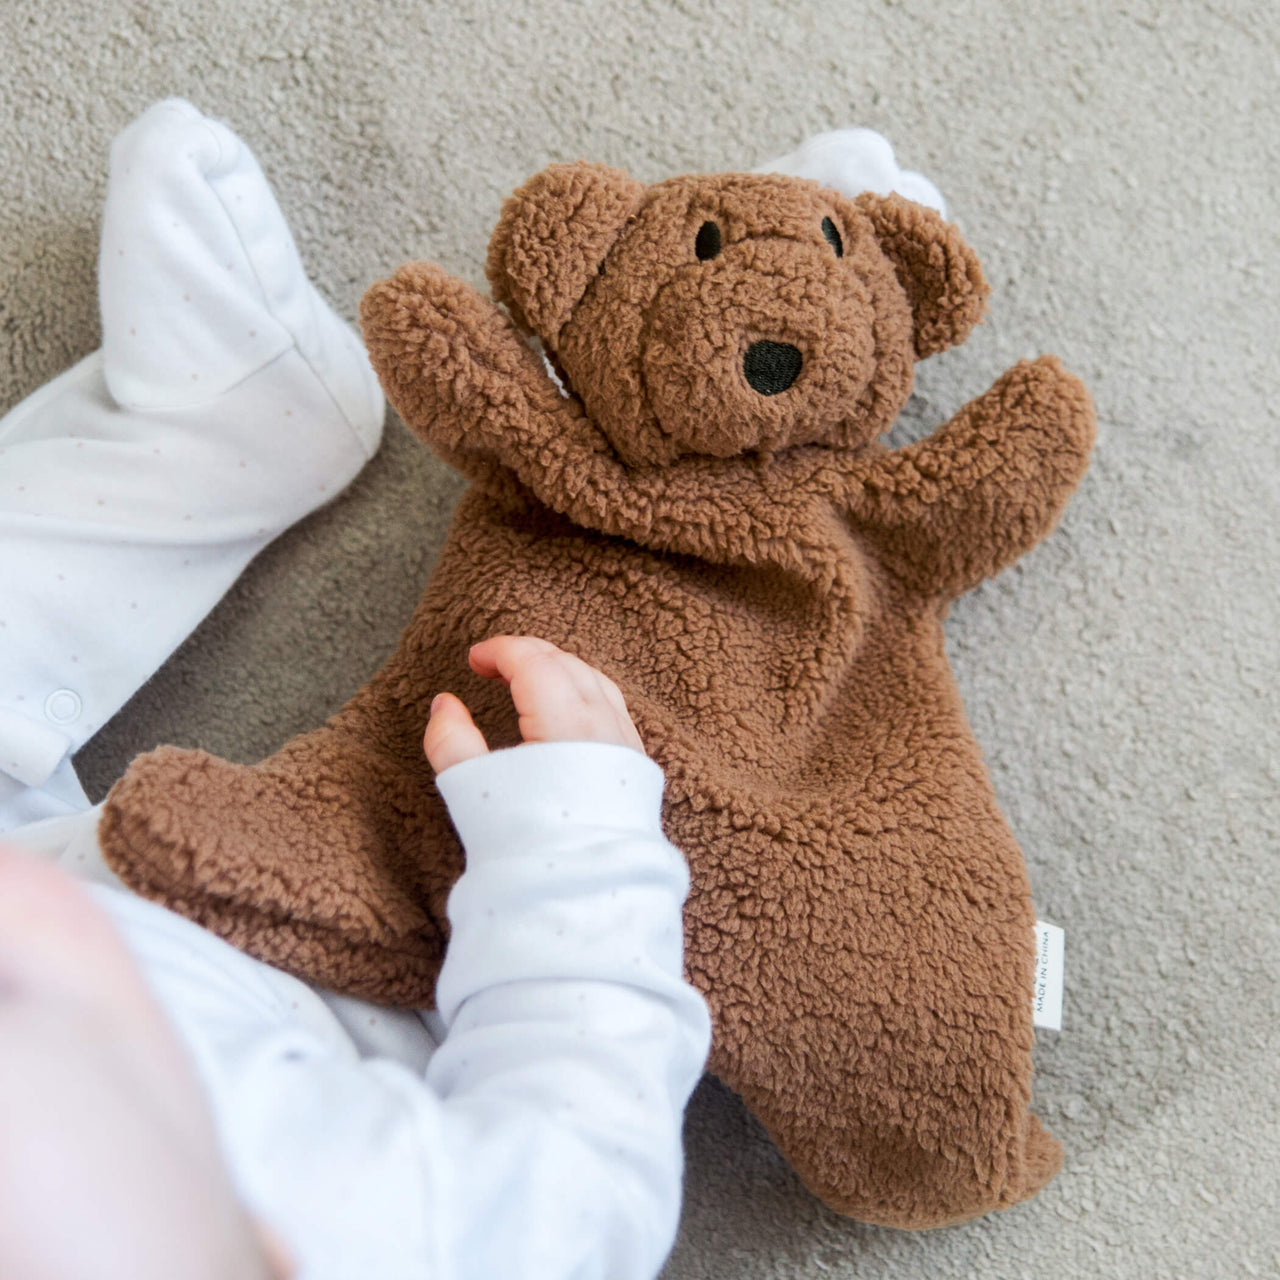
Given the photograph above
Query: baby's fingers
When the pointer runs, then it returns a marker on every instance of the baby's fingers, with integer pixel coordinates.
(558, 697)
(451, 735)
(502, 657)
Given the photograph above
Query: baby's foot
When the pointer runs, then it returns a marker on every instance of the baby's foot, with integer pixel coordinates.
(852, 161)
(200, 283)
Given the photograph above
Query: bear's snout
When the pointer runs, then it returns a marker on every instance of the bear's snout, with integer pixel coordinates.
(725, 338)
(771, 367)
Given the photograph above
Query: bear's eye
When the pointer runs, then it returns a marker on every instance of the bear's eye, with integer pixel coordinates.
(832, 237)
(707, 245)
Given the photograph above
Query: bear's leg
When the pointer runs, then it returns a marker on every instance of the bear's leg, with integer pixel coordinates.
(872, 1001)
(869, 1136)
(332, 859)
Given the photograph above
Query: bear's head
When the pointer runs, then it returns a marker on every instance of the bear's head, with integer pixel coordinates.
(730, 314)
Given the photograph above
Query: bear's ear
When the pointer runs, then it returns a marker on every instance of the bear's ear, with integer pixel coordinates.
(940, 274)
(551, 239)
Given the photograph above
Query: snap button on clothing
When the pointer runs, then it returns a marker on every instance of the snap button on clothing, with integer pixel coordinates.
(62, 706)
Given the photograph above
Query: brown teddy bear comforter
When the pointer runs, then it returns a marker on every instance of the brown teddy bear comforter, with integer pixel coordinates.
(704, 514)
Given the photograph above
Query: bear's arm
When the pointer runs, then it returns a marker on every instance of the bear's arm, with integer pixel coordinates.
(459, 372)
(958, 506)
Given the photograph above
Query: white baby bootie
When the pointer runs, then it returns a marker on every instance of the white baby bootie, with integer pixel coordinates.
(228, 400)
(852, 161)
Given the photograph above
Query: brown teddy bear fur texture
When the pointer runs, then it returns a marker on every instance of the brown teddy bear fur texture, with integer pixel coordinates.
(707, 516)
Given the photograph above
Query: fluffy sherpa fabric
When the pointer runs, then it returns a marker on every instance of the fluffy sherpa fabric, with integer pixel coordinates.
(706, 515)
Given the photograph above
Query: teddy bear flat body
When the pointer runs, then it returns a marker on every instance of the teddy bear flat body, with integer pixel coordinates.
(766, 584)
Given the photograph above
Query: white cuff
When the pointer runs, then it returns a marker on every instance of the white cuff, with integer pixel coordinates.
(540, 793)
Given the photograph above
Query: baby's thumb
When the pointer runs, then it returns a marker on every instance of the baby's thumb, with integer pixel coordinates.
(451, 736)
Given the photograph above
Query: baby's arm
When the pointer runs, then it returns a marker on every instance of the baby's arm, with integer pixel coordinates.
(573, 1043)
(544, 1140)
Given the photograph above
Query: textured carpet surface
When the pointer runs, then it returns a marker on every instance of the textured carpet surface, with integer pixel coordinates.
(1118, 170)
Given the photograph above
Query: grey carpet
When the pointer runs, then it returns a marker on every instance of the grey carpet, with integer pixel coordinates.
(1118, 169)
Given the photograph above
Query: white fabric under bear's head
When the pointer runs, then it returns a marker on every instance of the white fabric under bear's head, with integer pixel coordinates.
(852, 161)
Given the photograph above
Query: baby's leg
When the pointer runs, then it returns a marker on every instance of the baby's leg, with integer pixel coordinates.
(99, 1101)
(227, 401)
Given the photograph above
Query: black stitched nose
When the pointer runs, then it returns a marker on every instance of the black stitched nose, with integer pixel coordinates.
(772, 366)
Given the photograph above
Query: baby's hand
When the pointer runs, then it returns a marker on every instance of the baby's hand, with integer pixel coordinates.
(558, 698)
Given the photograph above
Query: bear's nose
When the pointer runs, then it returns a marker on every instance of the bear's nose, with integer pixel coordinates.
(771, 367)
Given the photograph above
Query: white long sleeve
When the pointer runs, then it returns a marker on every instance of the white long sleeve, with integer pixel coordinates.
(543, 1139)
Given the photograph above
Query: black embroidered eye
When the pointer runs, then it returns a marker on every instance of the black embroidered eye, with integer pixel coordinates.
(707, 245)
(832, 237)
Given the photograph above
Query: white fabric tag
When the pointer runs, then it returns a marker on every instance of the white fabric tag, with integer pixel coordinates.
(1047, 993)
